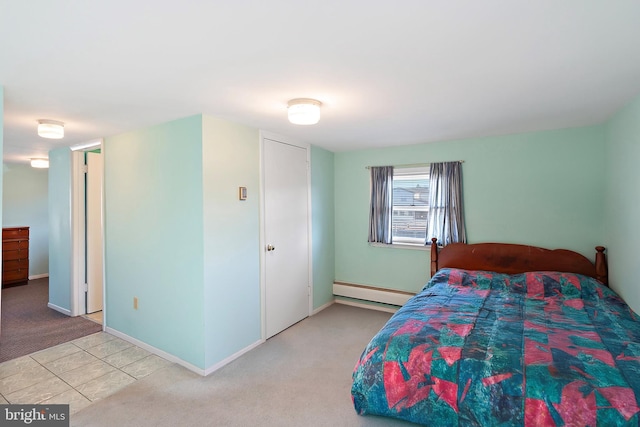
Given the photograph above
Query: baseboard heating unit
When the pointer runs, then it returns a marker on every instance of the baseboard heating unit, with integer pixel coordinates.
(369, 293)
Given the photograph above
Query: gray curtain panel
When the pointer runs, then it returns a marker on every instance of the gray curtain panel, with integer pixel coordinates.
(381, 204)
(446, 219)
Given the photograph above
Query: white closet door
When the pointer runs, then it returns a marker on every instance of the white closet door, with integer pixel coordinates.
(286, 210)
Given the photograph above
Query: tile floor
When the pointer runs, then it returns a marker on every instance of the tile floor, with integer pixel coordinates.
(96, 317)
(78, 372)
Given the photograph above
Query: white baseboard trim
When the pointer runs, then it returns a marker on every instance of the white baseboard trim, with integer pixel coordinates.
(367, 306)
(171, 358)
(231, 358)
(322, 307)
(168, 356)
(371, 293)
(59, 309)
(38, 276)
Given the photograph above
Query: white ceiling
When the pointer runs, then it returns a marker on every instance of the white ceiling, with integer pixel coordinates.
(388, 73)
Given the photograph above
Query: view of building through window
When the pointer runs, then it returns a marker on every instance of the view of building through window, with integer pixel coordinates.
(410, 205)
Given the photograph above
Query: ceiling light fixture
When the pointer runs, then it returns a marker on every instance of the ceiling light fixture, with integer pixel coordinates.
(51, 129)
(304, 111)
(40, 163)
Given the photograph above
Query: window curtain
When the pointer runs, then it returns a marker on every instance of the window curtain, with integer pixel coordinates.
(446, 221)
(381, 204)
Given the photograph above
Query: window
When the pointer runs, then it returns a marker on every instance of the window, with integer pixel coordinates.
(410, 205)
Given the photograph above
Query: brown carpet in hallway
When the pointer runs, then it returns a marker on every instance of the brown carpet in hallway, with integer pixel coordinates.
(28, 325)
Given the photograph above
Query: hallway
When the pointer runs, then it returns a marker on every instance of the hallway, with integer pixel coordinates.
(29, 325)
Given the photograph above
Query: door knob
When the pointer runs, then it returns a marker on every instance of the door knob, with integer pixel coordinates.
(271, 248)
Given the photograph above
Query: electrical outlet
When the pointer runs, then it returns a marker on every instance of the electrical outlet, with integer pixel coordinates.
(135, 303)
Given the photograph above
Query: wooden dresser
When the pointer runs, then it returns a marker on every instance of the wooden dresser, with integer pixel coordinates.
(15, 256)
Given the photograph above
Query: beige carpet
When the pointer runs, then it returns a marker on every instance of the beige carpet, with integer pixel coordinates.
(300, 377)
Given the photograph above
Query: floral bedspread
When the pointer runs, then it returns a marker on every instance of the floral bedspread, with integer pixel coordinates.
(488, 349)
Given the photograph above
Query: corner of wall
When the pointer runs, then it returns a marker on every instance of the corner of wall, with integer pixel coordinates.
(323, 225)
(153, 236)
(622, 205)
(231, 232)
(60, 245)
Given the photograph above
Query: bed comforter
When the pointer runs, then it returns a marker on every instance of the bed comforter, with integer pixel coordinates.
(488, 349)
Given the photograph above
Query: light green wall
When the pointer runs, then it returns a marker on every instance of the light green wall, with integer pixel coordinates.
(1, 151)
(543, 188)
(230, 159)
(178, 238)
(154, 236)
(25, 203)
(623, 202)
(323, 225)
(60, 250)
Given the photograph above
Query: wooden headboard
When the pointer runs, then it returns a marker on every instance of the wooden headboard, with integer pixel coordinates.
(513, 259)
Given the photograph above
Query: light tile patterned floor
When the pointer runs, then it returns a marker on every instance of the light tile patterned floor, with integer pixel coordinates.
(78, 372)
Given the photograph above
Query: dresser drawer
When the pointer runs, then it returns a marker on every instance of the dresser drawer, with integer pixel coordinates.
(12, 245)
(15, 233)
(16, 264)
(17, 254)
(15, 275)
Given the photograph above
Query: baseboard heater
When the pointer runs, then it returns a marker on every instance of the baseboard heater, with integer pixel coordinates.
(369, 293)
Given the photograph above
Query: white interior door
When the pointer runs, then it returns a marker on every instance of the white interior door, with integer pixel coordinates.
(94, 231)
(286, 234)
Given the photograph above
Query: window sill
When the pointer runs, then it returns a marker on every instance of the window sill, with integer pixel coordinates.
(401, 246)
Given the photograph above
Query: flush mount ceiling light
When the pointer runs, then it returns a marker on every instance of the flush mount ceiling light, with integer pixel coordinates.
(39, 163)
(304, 111)
(51, 129)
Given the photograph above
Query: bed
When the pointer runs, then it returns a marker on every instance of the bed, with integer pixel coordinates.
(506, 334)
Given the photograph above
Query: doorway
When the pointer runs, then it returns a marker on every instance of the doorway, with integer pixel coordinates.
(37, 302)
(286, 239)
(87, 221)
